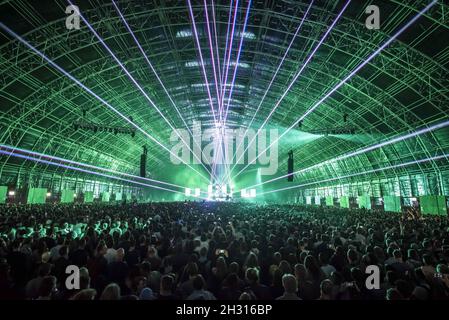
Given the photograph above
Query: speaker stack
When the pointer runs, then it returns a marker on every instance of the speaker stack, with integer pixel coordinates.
(290, 166)
(143, 162)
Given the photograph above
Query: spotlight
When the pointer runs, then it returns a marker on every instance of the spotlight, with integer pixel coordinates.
(210, 191)
(48, 194)
(12, 193)
(252, 193)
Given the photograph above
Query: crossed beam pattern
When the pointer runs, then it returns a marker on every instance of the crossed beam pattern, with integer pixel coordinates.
(61, 165)
(363, 150)
(342, 82)
(403, 88)
(401, 165)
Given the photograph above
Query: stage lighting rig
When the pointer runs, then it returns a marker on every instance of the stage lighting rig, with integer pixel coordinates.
(95, 127)
(333, 131)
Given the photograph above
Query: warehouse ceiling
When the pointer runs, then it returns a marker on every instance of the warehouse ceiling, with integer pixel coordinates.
(404, 88)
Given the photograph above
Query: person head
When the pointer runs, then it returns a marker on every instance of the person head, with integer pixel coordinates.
(234, 268)
(312, 267)
(111, 292)
(44, 269)
(221, 266)
(419, 293)
(337, 278)
(146, 294)
(289, 283)
(300, 271)
(145, 268)
(392, 277)
(199, 283)
(192, 270)
(152, 252)
(85, 294)
(138, 282)
(404, 288)
(427, 244)
(427, 259)
(302, 256)
(339, 250)
(277, 257)
(277, 277)
(394, 294)
(326, 289)
(252, 261)
(412, 254)
(442, 269)
(390, 250)
(64, 251)
(352, 256)
(284, 267)
(245, 296)
(379, 253)
(358, 275)
(5, 270)
(397, 255)
(167, 283)
(120, 255)
(82, 243)
(323, 258)
(232, 281)
(252, 276)
(84, 278)
(101, 249)
(203, 253)
(47, 287)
